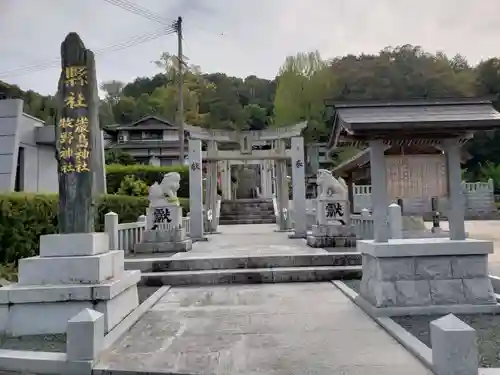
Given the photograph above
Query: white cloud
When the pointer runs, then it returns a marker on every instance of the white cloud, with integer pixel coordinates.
(239, 37)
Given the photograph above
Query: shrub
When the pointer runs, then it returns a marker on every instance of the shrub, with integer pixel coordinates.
(25, 217)
(150, 174)
(131, 186)
(118, 157)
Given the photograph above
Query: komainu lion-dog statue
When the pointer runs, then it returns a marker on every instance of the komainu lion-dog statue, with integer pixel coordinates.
(329, 185)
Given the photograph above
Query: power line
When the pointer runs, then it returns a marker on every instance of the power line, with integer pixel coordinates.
(139, 10)
(139, 39)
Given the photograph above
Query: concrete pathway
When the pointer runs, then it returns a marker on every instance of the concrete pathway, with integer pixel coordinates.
(265, 329)
(271, 329)
(247, 240)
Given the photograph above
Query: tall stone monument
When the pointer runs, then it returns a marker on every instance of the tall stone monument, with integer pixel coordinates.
(75, 269)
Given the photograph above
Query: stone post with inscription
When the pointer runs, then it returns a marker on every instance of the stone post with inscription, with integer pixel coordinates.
(333, 218)
(76, 259)
(299, 187)
(74, 131)
(165, 232)
(195, 191)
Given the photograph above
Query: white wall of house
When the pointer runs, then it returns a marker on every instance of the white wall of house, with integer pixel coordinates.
(38, 162)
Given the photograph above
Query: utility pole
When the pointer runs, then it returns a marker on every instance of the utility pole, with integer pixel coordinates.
(180, 104)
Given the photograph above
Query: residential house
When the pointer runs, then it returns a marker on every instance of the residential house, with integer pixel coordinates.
(151, 140)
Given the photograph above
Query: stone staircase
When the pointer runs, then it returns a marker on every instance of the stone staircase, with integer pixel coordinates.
(247, 211)
(248, 269)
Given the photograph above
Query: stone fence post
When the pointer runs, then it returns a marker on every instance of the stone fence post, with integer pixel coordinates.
(454, 347)
(395, 221)
(85, 336)
(111, 228)
(491, 185)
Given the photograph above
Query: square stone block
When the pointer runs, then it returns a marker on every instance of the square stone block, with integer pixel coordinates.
(119, 307)
(454, 347)
(479, 291)
(417, 247)
(469, 266)
(71, 270)
(41, 318)
(170, 235)
(52, 317)
(413, 293)
(392, 269)
(433, 268)
(447, 292)
(15, 293)
(73, 244)
(380, 293)
(163, 247)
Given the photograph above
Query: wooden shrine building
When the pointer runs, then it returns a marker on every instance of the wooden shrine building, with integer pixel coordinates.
(412, 135)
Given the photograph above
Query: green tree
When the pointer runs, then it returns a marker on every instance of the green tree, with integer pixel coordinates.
(304, 82)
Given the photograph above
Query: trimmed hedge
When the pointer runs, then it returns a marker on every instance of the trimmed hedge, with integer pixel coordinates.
(25, 217)
(150, 174)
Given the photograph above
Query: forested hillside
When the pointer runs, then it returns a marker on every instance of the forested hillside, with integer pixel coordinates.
(303, 82)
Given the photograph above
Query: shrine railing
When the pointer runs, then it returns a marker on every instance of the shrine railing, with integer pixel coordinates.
(471, 187)
(363, 225)
(124, 236)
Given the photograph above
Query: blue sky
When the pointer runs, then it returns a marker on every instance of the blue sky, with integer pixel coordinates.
(237, 37)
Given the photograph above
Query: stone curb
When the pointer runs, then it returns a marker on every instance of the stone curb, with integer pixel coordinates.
(119, 330)
(406, 339)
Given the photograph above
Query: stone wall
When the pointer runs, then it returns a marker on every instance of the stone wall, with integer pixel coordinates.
(479, 200)
(426, 280)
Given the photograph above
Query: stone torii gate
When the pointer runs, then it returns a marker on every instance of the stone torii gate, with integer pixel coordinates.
(278, 155)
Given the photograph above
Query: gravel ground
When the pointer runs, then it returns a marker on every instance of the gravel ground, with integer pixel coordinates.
(487, 327)
(53, 343)
(353, 284)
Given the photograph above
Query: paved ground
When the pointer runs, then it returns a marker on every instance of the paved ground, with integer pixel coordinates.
(483, 230)
(245, 240)
(266, 329)
(271, 329)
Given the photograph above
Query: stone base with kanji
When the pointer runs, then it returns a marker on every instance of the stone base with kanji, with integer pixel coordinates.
(173, 240)
(332, 235)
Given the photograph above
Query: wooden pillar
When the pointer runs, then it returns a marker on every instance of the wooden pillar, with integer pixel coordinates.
(350, 191)
(379, 190)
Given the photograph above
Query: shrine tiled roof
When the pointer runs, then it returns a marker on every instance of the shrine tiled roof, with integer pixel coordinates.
(361, 121)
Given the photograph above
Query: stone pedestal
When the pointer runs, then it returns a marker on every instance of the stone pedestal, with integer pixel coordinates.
(172, 240)
(426, 276)
(164, 232)
(72, 273)
(332, 235)
(333, 228)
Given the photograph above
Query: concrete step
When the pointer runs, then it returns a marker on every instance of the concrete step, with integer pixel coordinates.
(246, 216)
(165, 263)
(251, 276)
(247, 212)
(261, 261)
(246, 221)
